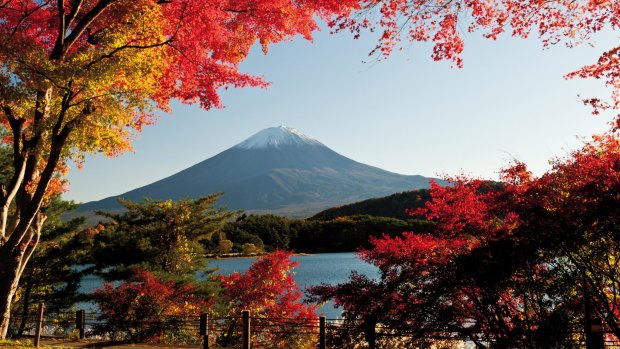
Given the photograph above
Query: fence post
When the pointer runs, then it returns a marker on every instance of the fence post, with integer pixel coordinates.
(597, 340)
(322, 332)
(587, 316)
(80, 322)
(37, 332)
(246, 329)
(204, 330)
(370, 332)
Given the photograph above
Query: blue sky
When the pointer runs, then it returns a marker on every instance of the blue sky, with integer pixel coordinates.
(407, 114)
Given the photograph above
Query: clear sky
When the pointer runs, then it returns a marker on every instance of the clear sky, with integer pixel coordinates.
(406, 114)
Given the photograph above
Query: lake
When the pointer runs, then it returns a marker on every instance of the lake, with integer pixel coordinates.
(331, 268)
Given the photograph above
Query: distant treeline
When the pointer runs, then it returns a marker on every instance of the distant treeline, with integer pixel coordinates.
(339, 229)
(268, 233)
(395, 206)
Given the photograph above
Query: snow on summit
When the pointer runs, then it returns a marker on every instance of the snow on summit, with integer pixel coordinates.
(274, 137)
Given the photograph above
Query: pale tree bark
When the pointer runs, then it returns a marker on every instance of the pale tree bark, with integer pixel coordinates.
(13, 264)
(38, 141)
(21, 220)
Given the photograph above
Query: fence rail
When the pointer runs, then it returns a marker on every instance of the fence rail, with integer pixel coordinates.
(205, 330)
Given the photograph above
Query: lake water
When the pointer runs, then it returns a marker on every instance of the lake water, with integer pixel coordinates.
(331, 268)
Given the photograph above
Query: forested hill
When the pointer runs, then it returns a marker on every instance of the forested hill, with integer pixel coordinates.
(393, 206)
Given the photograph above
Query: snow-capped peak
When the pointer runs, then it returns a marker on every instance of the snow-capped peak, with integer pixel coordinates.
(274, 137)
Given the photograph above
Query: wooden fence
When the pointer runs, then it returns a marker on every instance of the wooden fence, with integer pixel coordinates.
(207, 329)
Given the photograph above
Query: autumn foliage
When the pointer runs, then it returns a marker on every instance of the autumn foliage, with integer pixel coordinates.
(151, 308)
(268, 291)
(84, 76)
(148, 309)
(504, 265)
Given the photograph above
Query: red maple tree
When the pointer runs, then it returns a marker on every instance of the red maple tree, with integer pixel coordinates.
(504, 262)
(280, 319)
(148, 309)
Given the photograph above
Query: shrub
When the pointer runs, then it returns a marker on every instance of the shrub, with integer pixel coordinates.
(148, 309)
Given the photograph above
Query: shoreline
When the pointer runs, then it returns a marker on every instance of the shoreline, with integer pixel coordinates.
(250, 255)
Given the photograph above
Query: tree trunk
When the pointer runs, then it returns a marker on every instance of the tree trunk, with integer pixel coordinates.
(10, 273)
(229, 333)
(26, 305)
(13, 260)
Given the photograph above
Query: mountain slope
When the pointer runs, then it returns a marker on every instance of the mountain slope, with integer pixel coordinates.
(277, 170)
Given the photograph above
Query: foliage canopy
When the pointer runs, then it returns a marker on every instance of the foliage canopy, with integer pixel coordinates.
(503, 267)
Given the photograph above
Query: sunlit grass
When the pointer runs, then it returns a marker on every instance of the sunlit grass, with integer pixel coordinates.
(22, 343)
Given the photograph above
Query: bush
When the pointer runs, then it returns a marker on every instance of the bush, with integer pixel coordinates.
(279, 316)
(148, 309)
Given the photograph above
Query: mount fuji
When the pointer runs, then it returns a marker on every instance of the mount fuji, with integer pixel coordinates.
(278, 170)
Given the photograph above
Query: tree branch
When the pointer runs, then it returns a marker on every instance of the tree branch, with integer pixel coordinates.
(64, 107)
(5, 4)
(43, 74)
(19, 164)
(75, 8)
(59, 52)
(26, 15)
(15, 184)
(29, 209)
(60, 39)
(124, 47)
(33, 241)
(159, 44)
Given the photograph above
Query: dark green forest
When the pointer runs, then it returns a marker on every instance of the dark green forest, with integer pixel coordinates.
(394, 206)
(339, 229)
(268, 233)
